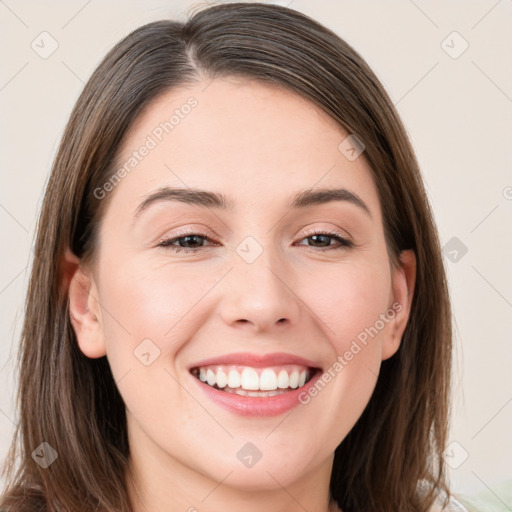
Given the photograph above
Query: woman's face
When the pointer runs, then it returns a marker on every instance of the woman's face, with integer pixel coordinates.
(253, 281)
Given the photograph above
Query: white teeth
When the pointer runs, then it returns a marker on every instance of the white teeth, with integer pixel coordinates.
(282, 379)
(222, 379)
(210, 377)
(262, 382)
(261, 394)
(233, 379)
(250, 379)
(268, 380)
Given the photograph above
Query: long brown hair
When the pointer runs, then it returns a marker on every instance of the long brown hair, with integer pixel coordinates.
(72, 403)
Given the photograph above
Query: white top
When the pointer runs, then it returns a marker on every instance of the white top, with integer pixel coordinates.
(453, 506)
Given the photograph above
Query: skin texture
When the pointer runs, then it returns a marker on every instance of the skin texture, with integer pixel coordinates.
(258, 144)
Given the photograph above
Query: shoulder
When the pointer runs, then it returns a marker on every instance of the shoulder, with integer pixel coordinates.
(453, 505)
(445, 500)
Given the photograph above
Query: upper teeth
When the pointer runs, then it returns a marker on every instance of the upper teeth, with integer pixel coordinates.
(264, 379)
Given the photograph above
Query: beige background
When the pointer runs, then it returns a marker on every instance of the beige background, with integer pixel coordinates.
(458, 112)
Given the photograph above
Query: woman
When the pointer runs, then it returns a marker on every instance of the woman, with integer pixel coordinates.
(176, 353)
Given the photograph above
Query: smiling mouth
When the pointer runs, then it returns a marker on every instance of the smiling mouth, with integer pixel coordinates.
(255, 382)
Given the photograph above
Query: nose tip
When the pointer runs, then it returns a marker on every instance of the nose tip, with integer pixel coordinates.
(260, 297)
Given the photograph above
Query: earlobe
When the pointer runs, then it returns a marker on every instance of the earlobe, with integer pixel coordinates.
(84, 309)
(403, 282)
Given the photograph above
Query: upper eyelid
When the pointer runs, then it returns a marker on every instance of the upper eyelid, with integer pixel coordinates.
(310, 232)
(203, 232)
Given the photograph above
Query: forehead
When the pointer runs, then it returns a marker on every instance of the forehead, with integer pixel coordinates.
(259, 141)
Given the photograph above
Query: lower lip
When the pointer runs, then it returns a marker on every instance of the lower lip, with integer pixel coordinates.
(257, 406)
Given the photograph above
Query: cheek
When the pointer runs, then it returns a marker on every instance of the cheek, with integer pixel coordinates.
(352, 300)
(146, 321)
(349, 301)
(144, 317)
(151, 302)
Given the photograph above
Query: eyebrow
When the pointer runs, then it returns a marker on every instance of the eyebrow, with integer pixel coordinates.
(207, 199)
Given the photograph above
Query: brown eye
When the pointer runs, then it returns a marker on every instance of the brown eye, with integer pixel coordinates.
(324, 239)
(186, 242)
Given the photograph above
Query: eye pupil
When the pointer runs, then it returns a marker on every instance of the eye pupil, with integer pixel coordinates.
(186, 239)
(325, 238)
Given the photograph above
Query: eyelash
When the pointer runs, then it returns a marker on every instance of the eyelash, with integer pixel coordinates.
(344, 243)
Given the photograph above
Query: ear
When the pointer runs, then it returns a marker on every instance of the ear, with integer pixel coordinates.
(403, 281)
(84, 307)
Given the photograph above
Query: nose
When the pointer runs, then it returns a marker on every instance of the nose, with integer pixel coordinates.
(260, 295)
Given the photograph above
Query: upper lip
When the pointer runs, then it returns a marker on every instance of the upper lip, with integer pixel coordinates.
(257, 360)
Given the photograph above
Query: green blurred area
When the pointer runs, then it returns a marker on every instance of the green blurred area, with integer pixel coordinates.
(497, 499)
